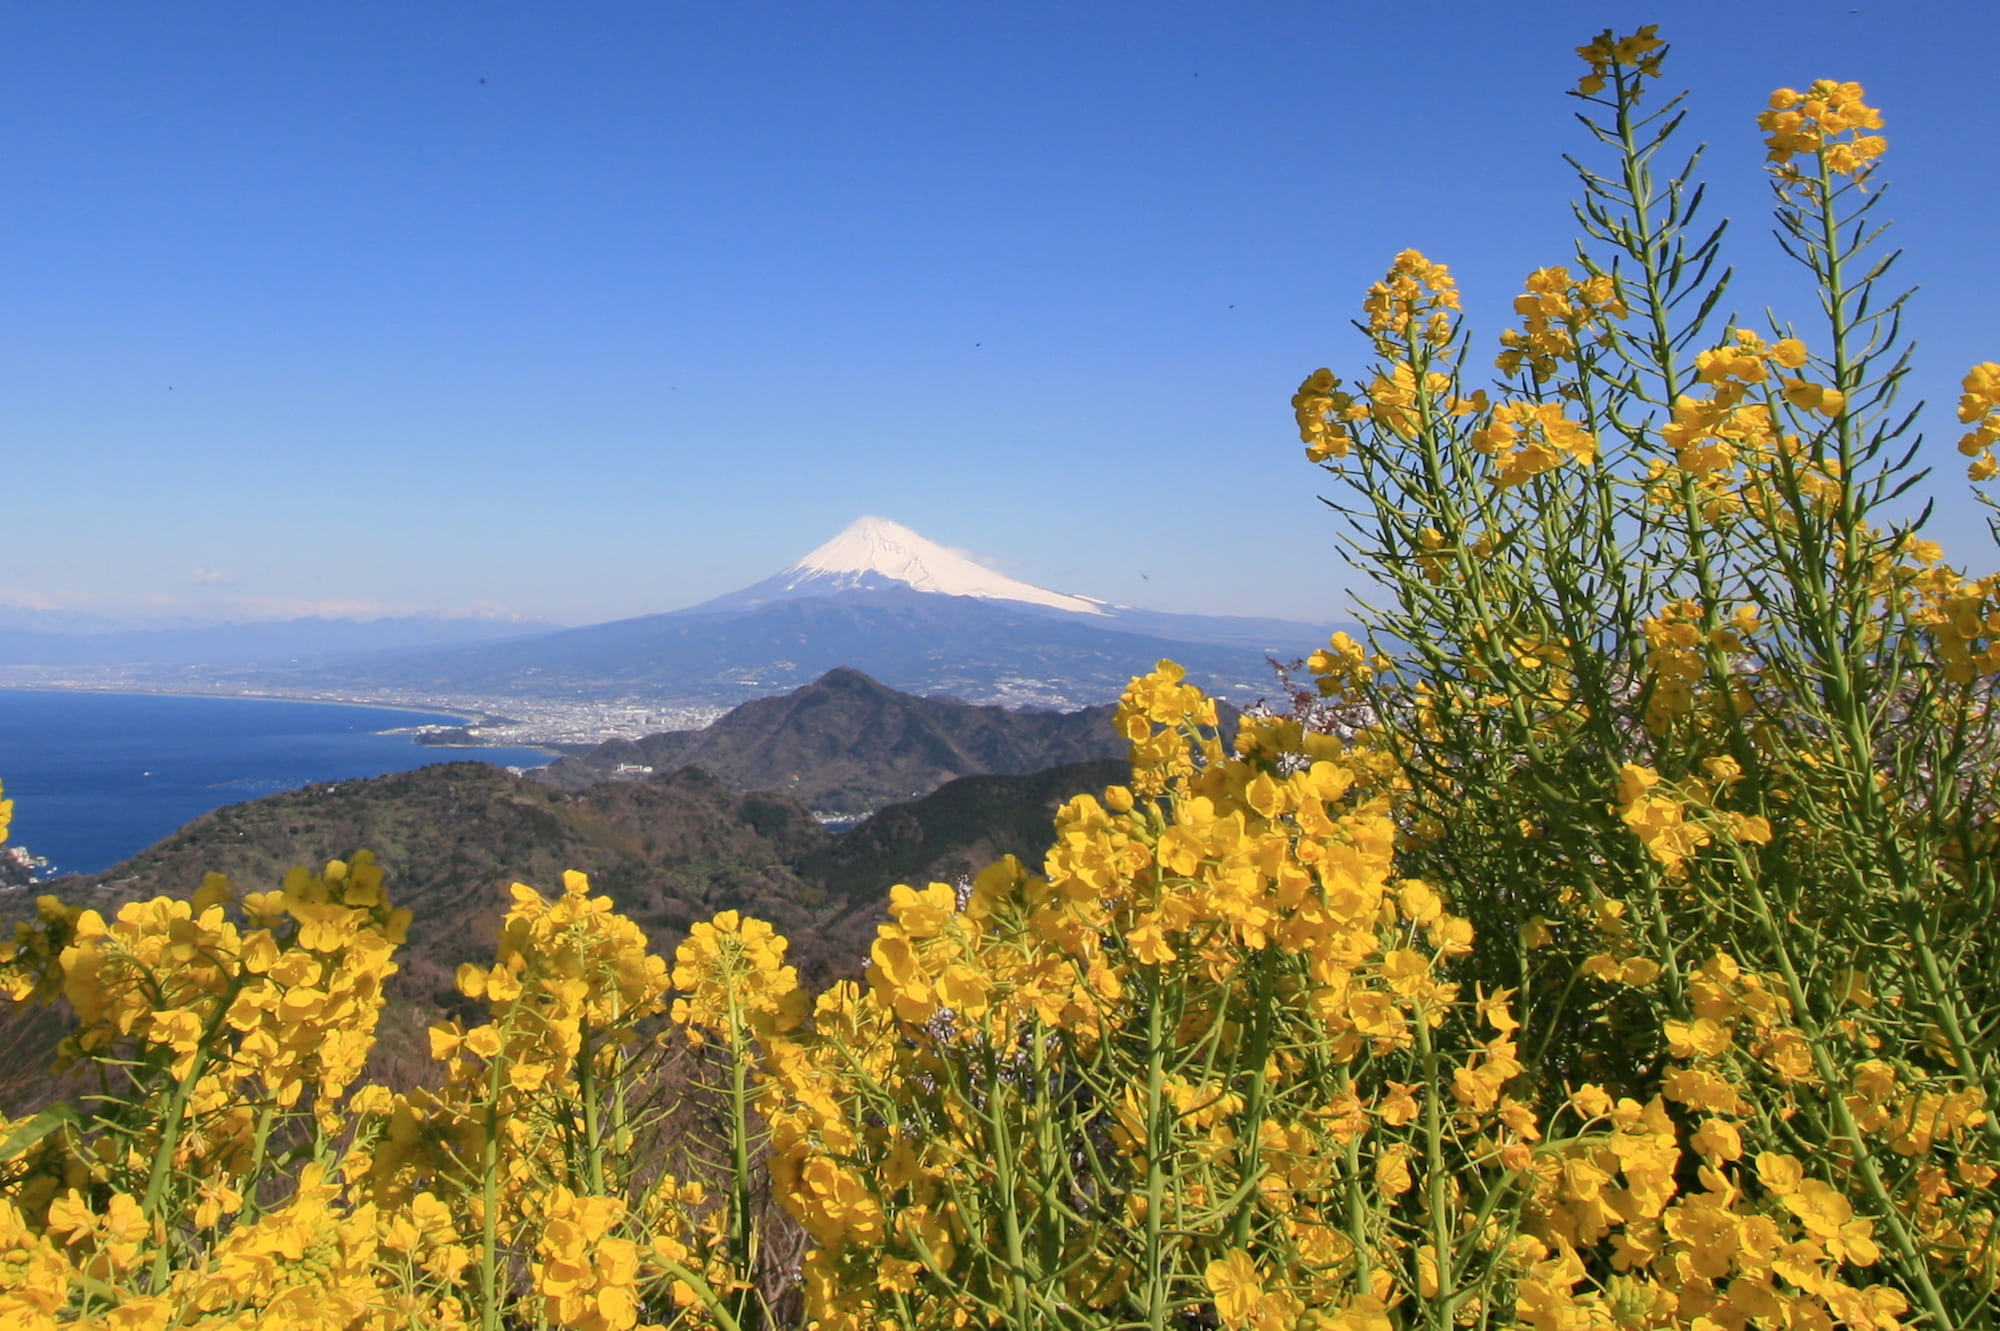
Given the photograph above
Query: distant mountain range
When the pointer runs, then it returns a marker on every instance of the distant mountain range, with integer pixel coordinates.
(878, 598)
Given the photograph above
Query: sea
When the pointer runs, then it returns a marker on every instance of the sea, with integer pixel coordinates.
(97, 777)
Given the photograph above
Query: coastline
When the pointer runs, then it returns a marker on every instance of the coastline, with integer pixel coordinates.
(557, 727)
(455, 714)
(461, 719)
(104, 772)
(459, 715)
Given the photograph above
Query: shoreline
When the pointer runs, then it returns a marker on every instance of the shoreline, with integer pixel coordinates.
(195, 761)
(462, 718)
(553, 727)
(458, 715)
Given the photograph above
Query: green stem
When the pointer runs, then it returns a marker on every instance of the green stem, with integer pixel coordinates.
(1158, 1135)
(1004, 1184)
(252, 1206)
(489, 1179)
(593, 1138)
(1436, 1184)
(1357, 1210)
(163, 1158)
(1250, 1146)
(742, 1232)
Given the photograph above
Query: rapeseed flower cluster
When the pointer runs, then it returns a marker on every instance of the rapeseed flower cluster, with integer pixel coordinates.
(1338, 669)
(584, 1269)
(1682, 653)
(732, 978)
(1714, 433)
(1560, 316)
(1664, 1204)
(1962, 616)
(1979, 407)
(1642, 52)
(1525, 439)
(1414, 304)
(1824, 121)
(1325, 416)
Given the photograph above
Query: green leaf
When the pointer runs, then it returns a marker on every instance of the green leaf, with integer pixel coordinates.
(27, 1133)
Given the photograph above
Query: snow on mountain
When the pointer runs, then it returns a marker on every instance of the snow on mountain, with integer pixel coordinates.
(873, 552)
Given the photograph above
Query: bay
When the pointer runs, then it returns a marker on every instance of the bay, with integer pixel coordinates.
(98, 777)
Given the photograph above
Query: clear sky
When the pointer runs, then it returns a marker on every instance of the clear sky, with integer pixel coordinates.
(589, 310)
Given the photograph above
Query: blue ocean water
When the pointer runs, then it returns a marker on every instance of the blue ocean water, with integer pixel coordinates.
(97, 777)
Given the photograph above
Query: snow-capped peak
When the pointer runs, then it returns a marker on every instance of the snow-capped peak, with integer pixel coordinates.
(879, 547)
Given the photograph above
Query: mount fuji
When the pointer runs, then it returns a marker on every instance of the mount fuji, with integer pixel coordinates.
(874, 554)
(878, 598)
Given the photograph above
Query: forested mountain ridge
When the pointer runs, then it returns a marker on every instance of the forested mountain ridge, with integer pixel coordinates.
(846, 743)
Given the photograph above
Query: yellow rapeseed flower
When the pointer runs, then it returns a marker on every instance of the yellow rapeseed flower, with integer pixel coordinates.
(1413, 304)
(1525, 439)
(1641, 52)
(1325, 416)
(1813, 123)
(1979, 407)
(1236, 1286)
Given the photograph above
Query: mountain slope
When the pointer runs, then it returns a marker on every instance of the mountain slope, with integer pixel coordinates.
(455, 835)
(957, 829)
(668, 851)
(846, 743)
(452, 839)
(980, 650)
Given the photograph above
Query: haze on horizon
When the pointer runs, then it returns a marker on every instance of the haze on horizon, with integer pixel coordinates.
(587, 312)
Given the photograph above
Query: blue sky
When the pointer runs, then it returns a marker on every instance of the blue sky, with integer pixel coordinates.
(590, 310)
